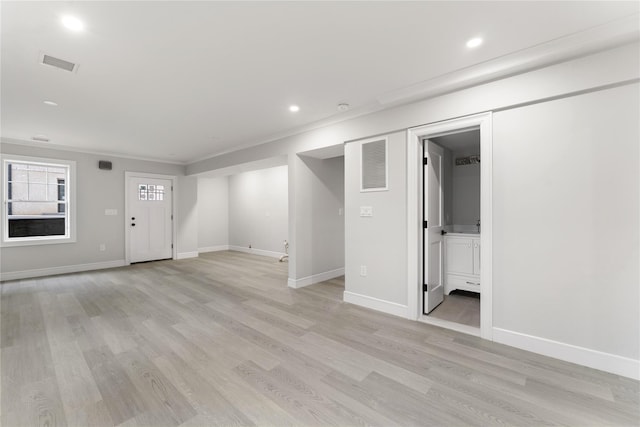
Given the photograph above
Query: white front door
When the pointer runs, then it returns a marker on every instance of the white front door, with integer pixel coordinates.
(149, 218)
(433, 286)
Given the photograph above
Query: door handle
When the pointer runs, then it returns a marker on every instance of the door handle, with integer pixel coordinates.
(472, 283)
(133, 225)
(133, 218)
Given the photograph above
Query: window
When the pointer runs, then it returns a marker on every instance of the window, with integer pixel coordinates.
(37, 207)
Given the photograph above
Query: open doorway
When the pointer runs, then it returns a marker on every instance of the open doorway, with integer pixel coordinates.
(454, 254)
(450, 220)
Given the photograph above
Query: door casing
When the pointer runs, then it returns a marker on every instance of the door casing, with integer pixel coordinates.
(127, 243)
(415, 191)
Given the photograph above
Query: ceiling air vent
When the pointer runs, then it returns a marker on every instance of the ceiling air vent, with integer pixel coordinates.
(58, 63)
(40, 138)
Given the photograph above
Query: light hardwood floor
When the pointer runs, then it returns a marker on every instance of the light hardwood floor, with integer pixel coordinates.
(221, 340)
(460, 307)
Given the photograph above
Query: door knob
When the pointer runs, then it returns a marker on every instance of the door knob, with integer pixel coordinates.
(133, 225)
(133, 218)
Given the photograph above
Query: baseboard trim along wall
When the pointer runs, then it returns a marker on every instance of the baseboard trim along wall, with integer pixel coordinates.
(213, 249)
(315, 278)
(65, 269)
(183, 255)
(376, 304)
(255, 251)
(607, 362)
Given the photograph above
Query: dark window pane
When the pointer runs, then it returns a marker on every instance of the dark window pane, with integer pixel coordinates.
(31, 227)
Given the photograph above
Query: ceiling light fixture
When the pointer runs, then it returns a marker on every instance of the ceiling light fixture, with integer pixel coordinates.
(294, 108)
(72, 23)
(474, 42)
(51, 103)
(342, 107)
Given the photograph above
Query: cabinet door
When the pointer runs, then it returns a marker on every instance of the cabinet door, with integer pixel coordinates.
(476, 256)
(459, 255)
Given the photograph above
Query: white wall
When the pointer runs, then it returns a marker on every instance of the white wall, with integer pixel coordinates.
(213, 213)
(187, 218)
(97, 190)
(318, 205)
(465, 193)
(379, 242)
(566, 220)
(258, 209)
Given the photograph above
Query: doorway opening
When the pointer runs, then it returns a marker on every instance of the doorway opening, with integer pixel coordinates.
(452, 203)
(450, 220)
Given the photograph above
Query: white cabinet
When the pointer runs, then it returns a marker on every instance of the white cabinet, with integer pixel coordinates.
(462, 263)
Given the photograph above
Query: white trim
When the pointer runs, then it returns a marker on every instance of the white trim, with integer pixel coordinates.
(607, 362)
(386, 163)
(174, 210)
(255, 251)
(65, 269)
(184, 255)
(213, 249)
(315, 278)
(69, 148)
(376, 304)
(415, 154)
(454, 326)
(70, 206)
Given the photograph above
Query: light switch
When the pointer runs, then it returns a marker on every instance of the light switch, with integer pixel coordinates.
(366, 211)
(111, 212)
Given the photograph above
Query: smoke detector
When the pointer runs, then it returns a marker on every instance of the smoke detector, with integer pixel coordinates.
(61, 64)
(342, 107)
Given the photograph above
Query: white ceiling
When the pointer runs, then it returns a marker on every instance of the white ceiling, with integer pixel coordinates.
(180, 81)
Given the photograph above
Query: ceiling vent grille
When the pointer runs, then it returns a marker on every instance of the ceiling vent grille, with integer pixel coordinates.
(58, 63)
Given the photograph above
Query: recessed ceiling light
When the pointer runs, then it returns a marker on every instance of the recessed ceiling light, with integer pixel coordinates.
(51, 103)
(294, 108)
(474, 42)
(72, 23)
(343, 107)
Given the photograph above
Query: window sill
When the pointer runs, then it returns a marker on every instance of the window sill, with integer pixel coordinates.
(36, 242)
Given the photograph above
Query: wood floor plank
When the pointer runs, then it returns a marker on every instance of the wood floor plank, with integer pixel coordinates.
(221, 340)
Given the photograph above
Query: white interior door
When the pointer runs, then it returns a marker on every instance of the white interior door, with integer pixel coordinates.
(149, 219)
(433, 287)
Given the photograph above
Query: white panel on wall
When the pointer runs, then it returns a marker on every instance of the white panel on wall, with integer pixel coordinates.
(374, 165)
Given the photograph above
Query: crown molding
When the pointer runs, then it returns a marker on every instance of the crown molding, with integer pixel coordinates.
(612, 34)
(60, 147)
(583, 43)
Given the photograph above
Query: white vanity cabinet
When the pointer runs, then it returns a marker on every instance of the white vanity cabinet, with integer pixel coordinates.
(462, 262)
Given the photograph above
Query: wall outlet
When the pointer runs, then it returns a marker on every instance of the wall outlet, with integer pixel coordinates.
(102, 247)
(363, 270)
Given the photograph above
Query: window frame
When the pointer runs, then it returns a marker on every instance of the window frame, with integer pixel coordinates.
(70, 195)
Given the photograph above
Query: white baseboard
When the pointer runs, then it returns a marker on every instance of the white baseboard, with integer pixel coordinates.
(315, 278)
(255, 251)
(39, 272)
(213, 249)
(377, 304)
(183, 255)
(607, 362)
